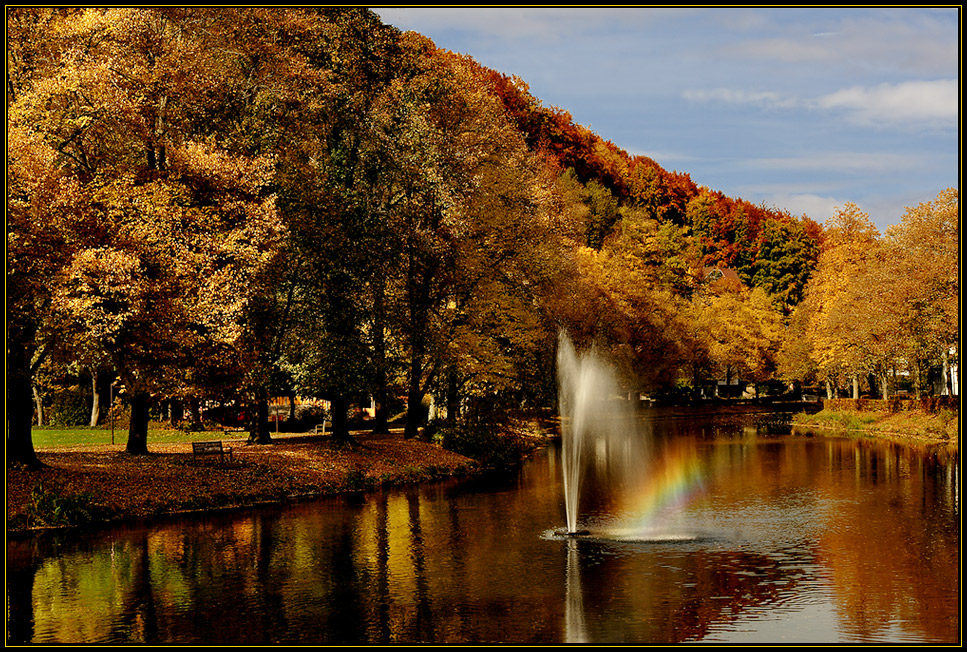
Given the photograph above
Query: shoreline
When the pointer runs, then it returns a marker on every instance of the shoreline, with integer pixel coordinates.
(90, 487)
(94, 486)
(913, 426)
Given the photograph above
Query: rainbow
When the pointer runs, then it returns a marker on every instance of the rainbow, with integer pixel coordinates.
(674, 480)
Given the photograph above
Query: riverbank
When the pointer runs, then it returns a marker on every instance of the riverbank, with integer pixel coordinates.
(89, 485)
(942, 427)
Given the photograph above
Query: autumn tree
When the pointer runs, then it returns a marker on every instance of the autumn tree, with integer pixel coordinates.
(178, 225)
(922, 259)
(738, 330)
(848, 325)
(464, 199)
(663, 195)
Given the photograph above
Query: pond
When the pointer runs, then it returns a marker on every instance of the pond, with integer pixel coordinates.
(768, 537)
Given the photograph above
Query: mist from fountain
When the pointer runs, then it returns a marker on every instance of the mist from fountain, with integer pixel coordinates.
(598, 424)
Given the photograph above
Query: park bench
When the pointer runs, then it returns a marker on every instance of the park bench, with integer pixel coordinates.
(199, 448)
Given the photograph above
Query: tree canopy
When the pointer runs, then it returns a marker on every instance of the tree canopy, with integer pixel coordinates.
(237, 204)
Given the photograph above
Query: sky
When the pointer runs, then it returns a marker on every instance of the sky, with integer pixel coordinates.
(804, 109)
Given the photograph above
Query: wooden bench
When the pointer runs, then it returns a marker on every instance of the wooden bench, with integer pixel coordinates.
(211, 448)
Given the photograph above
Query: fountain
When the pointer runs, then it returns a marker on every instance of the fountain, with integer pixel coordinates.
(598, 425)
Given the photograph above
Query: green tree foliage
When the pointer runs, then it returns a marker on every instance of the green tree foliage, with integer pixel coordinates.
(784, 262)
(602, 213)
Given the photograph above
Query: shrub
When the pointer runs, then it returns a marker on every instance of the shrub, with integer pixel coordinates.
(492, 446)
(356, 480)
(68, 408)
(307, 417)
(51, 508)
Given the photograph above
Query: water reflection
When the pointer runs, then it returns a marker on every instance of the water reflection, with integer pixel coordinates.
(793, 539)
(574, 614)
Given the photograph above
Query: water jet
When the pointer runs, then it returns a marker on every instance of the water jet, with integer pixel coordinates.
(598, 425)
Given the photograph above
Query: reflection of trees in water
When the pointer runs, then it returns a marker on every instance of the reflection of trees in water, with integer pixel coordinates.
(138, 620)
(267, 606)
(342, 614)
(404, 567)
(902, 528)
(381, 592)
(424, 626)
(22, 565)
(678, 595)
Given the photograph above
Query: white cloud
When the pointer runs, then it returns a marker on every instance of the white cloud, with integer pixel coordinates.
(914, 104)
(733, 96)
(511, 23)
(930, 103)
(786, 50)
(910, 41)
(816, 207)
(840, 162)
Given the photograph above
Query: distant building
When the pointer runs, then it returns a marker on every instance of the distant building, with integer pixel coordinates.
(712, 274)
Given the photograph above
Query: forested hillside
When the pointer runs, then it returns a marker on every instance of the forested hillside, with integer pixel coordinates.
(228, 205)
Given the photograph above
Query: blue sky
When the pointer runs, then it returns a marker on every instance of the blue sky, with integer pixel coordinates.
(802, 108)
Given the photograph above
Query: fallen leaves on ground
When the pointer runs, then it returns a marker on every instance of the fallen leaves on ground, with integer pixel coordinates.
(171, 480)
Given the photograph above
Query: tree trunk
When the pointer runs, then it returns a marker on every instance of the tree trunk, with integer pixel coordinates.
(380, 393)
(20, 406)
(194, 412)
(453, 397)
(829, 390)
(856, 387)
(340, 418)
(259, 432)
(177, 411)
(948, 388)
(884, 383)
(380, 418)
(39, 405)
(96, 402)
(138, 429)
(414, 401)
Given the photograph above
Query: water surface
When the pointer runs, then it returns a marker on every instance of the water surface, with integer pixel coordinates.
(732, 532)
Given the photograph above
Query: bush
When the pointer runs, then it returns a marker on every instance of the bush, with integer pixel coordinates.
(678, 394)
(68, 408)
(51, 508)
(307, 416)
(894, 404)
(492, 446)
(356, 480)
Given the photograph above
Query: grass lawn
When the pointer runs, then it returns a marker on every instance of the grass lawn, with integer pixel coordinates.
(80, 436)
(942, 427)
